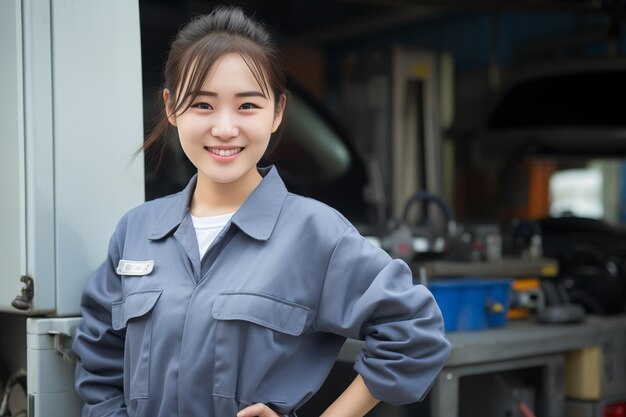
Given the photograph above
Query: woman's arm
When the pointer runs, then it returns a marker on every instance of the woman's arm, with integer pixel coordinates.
(368, 296)
(99, 374)
(355, 401)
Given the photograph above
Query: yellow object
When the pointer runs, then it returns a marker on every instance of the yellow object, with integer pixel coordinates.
(497, 308)
(550, 269)
(583, 371)
(421, 70)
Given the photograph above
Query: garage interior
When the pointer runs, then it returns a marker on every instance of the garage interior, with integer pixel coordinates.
(481, 141)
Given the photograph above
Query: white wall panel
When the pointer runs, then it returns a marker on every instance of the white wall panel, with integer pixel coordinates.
(71, 119)
(98, 125)
(12, 206)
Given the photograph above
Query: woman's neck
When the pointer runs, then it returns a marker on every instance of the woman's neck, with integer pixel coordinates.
(212, 199)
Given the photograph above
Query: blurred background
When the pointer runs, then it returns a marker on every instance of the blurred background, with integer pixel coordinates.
(520, 101)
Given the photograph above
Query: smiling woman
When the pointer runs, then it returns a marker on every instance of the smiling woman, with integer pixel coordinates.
(224, 132)
(242, 293)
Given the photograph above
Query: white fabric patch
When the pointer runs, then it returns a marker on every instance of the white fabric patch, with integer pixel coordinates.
(134, 268)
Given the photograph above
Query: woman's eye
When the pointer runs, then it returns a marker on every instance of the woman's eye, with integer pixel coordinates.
(248, 106)
(203, 106)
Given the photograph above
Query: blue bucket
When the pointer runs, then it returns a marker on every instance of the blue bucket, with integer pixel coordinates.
(472, 304)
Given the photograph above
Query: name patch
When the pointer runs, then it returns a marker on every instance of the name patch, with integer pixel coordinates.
(134, 268)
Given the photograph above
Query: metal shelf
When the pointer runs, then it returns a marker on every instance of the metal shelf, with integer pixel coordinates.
(507, 268)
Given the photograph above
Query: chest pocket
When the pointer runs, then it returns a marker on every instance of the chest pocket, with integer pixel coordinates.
(264, 310)
(255, 335)
(134, 313)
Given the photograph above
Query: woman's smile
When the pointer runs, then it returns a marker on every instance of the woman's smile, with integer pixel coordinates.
(224, 154)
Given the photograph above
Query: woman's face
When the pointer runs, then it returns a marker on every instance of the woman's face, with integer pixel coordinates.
(227, 128)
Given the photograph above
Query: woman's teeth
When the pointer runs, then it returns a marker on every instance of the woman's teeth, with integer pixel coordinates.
(224, 152)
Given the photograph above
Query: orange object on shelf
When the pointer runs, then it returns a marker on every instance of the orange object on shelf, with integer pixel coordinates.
(521, 285)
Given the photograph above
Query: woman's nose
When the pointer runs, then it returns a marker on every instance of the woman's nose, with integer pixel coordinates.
(224, 127)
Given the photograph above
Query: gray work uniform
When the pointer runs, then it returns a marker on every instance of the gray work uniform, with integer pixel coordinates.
(260, 318)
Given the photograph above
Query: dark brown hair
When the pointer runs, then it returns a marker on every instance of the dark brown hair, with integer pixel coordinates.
(196, 48)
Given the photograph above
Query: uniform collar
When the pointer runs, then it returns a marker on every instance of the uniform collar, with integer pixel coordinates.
(256, 217)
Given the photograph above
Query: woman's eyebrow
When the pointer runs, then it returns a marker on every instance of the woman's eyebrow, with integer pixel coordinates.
(242, 94)
(202, 93)
(250, 94)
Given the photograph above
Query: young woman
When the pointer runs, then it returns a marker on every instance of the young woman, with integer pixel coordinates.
(233, 297)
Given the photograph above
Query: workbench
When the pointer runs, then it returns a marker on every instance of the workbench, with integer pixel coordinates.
(523, 345)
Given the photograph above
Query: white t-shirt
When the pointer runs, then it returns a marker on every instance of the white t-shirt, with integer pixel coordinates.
(207, 229)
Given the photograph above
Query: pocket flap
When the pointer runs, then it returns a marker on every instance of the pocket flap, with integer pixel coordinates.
(135, 304)
(262, 309)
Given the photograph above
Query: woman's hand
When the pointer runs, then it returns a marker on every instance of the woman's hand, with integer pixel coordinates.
(257, 410)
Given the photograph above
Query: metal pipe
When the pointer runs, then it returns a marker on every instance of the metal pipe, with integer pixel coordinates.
(13, 379)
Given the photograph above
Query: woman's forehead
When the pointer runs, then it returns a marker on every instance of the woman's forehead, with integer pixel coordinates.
(229, 71)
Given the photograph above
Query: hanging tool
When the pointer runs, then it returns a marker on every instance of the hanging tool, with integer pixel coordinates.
(405, 241)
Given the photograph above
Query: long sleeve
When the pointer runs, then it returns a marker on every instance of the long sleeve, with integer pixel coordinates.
(99, 348)
(369, 296)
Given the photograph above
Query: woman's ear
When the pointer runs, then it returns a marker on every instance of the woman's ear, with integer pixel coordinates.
(168, 109)
(280, 110)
